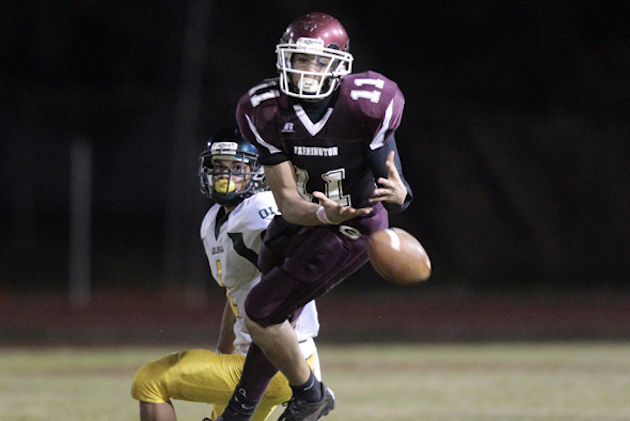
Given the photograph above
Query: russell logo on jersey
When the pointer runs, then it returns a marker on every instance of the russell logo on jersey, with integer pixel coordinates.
(288, 128)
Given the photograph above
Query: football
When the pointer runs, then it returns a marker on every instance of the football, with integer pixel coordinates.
(399, 257)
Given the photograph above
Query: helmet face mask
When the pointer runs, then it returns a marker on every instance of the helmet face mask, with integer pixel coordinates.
(229, 170)
(323, 40)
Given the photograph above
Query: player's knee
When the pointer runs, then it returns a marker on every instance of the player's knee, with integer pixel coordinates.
(269, 302)
(253, 328)
(147, 385)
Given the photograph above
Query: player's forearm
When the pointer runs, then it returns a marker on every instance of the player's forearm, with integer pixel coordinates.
(298, 211)
(281, 180)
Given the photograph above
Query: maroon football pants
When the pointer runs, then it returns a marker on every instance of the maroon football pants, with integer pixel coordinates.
(299, 263)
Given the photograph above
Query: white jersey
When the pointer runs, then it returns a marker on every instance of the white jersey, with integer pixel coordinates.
(232, 244)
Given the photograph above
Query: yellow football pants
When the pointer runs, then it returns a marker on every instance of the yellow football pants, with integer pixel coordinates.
(200, 375)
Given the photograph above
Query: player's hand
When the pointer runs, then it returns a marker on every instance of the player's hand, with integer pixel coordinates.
(337, 213)
(393, 190)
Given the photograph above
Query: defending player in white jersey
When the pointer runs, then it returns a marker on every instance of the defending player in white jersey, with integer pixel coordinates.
(232, 233)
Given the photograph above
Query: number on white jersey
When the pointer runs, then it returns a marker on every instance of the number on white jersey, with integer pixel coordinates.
(227, 293)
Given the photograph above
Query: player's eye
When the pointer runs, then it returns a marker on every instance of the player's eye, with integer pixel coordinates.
(322, 61)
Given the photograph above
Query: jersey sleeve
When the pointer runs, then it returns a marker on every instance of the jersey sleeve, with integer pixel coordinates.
(391, 104)
(378, 104)
(376, 160)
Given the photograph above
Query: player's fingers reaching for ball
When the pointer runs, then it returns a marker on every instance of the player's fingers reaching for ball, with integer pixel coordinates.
(392, 171)
(393, 191)
(392, 188)
(336, 213)
(390, 194)
(323, 199)
(346, 213)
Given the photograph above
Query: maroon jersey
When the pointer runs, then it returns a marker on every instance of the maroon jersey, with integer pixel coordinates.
(329, 156)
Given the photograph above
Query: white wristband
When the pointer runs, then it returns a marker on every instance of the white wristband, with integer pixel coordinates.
(321, 215)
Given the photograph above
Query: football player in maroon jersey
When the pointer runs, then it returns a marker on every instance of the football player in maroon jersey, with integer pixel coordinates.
(326, 139)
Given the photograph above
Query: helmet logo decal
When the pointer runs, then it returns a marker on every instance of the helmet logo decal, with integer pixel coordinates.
(224, 148)
(307, 42)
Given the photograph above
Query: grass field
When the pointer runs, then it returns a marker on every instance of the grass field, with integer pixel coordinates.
(424, 382)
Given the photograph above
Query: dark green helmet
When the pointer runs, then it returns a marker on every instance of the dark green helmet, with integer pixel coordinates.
(228, 144)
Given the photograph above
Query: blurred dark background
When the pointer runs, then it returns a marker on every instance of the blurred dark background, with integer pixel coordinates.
(515, 137)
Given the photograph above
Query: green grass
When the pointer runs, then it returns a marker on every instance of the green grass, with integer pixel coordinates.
(456, 382)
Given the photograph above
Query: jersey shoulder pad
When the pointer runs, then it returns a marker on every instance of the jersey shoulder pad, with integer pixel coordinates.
(255, 213)
(257, 113)
(263, 95)
(370, 93)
